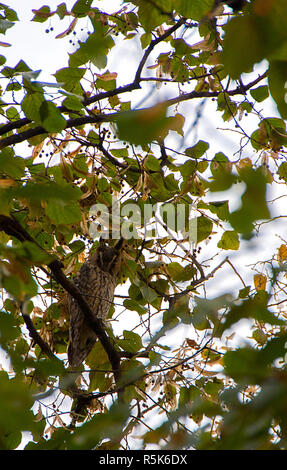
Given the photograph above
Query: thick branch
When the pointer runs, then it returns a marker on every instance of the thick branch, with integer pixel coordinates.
(38, 130)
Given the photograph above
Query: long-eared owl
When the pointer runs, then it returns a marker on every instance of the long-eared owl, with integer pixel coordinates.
(96, 280)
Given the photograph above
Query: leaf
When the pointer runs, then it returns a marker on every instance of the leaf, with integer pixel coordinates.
(42, 14)
(134, 305)
(180, 273)
(260, 282)
(94, 49)
(196, 9)
(142, 126)
(11, 165)
(260, 93)
(63, 214)
(82, 7)
(51, 118)
(53, 191)
(259, 336)
(282, 171)
(204, 228)
(282, 253)
(70, 77)
(4, 25)
(229, 240)
(197, 150)
(240, 55)
(254, 308)
(15, 404)
(152, 15)
(278, 85)
(131, 342)
(152, 163)
(31, 106)
(253, 200)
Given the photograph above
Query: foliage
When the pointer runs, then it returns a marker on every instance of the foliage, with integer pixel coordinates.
(83, 140)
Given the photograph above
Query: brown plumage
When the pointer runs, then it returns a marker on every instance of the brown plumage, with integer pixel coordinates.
(96, 280)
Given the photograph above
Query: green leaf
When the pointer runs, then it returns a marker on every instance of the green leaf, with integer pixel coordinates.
(82, 7)
(152, 14)
(74, 103)
(260, 93)
(42, 14)
(197, 150)
(282, 171)
(53, 191)
(10, 14)
(142, 126)
(180, 273)
(70, 77)
(253, 200)
(244, 44)
(229, 240)
(194, 10)
(251, 37)
(253, 308)
(63, 214)
(134, 305)
(4, 25)
(132, 342)
(204, 228)
(278, 85)
(31, 106)
(29, 252)
(152, 163)
(51, 118)
(94, 49)
(10, 165)
(15, 404)
(9, 328)
(221, 170)
(220, 208)
(148, 294)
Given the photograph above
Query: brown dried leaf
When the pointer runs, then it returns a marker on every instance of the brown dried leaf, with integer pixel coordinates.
(260, 282)
(68, 30)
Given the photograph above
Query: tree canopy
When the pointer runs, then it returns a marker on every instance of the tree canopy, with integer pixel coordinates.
(193, 356)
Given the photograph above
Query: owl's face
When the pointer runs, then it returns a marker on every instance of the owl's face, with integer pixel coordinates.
(108, 258)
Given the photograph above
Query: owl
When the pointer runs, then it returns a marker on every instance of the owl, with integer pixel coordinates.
(96, 280)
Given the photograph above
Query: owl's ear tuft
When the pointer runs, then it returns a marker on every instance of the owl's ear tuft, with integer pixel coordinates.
(119, 244)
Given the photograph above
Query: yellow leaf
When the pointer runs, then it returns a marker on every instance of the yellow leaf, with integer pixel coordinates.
(243, 163)
(37, 150)
(260, 282)
(282, 253)
(107, 76)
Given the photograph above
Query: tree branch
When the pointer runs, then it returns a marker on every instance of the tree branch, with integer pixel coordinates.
(79, 121)
(36, 337)
(12, 227)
